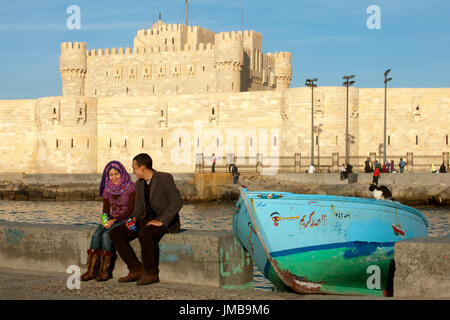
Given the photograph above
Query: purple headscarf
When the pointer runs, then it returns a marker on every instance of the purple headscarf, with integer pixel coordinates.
(115, 189)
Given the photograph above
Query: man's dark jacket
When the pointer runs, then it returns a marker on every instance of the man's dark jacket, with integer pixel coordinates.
(165, 200)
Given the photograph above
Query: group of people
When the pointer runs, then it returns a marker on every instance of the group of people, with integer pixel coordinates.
(146, 210)
(387, 167)
(232, 167)
(346, 170)
(442, 168)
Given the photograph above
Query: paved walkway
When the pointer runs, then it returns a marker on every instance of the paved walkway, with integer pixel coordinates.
(28, 285)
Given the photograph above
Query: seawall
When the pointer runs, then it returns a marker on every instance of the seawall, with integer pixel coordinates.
(208, 258)
(408, 188)
(192, 257)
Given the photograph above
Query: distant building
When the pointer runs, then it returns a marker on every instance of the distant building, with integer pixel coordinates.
(183, 91)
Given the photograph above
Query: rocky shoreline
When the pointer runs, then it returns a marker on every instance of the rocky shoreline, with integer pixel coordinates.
(416, 189)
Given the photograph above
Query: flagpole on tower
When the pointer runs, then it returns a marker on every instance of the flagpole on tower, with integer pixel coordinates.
(242, 17)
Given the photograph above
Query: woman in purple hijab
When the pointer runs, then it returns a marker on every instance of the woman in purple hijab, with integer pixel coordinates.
(119, 193)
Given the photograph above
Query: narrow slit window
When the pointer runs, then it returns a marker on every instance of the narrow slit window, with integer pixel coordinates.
(162, 142)
(389, 140)
(446, 139)
(417, 140)
(142, 143)
(110, 143)
(71, 143)
(57, 144)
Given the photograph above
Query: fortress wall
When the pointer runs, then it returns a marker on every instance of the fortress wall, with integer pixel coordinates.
(18, 136)
(236, 116)
(404, 121)
(329, 118)
(111, 74)
(66, 135)
(30, 128)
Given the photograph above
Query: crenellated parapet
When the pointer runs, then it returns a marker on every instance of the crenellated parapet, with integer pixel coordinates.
(228, 50)
(143, 51)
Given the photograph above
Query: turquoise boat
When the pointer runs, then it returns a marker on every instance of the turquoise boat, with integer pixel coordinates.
(322, 243)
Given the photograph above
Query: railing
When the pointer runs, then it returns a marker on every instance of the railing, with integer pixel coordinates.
(297, 163)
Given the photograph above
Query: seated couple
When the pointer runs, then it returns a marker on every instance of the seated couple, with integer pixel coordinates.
(153, 204)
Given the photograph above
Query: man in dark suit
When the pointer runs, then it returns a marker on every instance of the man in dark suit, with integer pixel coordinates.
(158, 203)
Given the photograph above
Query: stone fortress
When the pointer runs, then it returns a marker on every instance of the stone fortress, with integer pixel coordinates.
(183, 91)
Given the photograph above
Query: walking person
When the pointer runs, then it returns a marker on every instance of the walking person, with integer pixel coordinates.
(156, 212)
(343, 172)
(235, 174)
(367, 165)
(119, 193)
(402, 165)
(213, 163)
(392, 167)
(376, 175)
(230, 161)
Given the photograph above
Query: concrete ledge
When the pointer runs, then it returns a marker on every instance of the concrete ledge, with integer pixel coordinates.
(422, 268)
(204, 258)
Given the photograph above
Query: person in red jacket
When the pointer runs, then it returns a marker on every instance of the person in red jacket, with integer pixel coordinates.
(376, 175)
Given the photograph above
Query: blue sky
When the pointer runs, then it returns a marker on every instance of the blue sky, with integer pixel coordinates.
(327, 38)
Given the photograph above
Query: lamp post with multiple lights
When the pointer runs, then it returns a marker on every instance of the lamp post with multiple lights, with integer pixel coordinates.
(347, 83)
(310, 83)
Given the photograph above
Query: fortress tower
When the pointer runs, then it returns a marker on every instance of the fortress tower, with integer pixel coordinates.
(172, 59)
(73, 67)
(283, 70)
(228, 60)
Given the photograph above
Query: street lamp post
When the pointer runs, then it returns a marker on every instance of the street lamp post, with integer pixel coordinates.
(386, 80)
(310, 83)
(347, 83)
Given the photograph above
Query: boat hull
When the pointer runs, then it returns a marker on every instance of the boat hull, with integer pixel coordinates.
(324, 244)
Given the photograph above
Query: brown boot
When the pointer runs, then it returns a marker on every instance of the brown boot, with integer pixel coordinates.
(148, 279)
(92, 260)
(133, 275)
(105, 262)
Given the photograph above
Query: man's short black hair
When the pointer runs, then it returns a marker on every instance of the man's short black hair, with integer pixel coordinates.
(144, 159)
